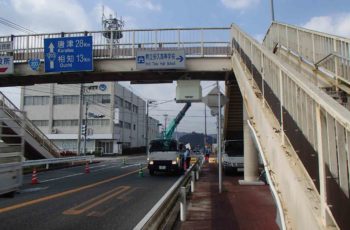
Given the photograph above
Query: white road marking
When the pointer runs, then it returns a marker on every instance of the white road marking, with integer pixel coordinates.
(127, 166)
(97, 166)
(59, 178)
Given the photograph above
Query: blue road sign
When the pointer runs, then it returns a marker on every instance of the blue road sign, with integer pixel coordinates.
(160, 59)
(68, 54)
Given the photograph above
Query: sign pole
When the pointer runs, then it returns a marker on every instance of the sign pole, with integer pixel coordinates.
(219, 137)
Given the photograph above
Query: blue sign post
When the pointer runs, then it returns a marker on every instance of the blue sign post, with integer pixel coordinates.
(68, 54)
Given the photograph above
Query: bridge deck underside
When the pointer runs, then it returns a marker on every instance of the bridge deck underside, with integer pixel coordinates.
(133, 76)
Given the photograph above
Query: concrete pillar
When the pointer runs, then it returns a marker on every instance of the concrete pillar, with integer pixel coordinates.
(251, 160)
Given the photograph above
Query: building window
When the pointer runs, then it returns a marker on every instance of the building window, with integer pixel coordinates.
(135, 109)
(65, 123)
(40, 122)
(127, 105)
(120, 102)
(36, 100)
(66, 99)
(106, 99)
(98, 98)
(98, 122)
(127, 125)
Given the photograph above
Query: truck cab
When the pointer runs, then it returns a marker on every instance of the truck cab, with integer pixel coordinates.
(165, 155)
(233, 158)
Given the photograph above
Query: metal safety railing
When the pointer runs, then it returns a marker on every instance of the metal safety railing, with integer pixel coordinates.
(47, 162)
(324, 50)
(17, 116)
(316, 126)
(157, 217)
(197, 42)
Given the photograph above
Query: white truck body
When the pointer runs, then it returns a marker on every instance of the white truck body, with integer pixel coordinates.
(10, 168)
(164, 156)
(232, 157)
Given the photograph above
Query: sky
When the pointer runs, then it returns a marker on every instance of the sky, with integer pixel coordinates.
(253, 16)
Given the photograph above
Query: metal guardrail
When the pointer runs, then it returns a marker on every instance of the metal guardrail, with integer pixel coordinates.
(195, 41)
(314, 46)
(157, 216)
(335, 86)
(56, 161)
(316, 126)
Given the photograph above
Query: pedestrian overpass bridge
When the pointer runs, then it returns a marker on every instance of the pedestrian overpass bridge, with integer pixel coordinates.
(293, 89)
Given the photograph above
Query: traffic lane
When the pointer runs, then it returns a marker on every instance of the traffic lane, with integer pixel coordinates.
(29, 192)
(118, 204)
(69, 171)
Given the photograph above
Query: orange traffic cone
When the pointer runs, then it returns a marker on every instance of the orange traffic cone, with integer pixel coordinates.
(87, 168)
(34, 178)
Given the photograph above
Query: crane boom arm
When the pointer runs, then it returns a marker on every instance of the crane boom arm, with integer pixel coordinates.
(168, 133)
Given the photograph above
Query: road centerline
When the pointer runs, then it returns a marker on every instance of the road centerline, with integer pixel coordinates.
(93, 202)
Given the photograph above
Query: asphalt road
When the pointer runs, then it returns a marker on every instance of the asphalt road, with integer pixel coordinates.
(111, 196)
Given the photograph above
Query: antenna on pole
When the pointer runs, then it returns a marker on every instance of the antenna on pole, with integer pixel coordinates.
(112, 27)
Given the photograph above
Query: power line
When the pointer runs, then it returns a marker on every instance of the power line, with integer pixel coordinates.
(15, 26)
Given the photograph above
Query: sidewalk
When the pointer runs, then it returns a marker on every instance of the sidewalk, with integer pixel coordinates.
(238, 207)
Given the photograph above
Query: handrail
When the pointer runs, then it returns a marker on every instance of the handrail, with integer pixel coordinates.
(195, 41)
(312, 45)
(154, 218)
(124, 30)
(29, 127)
(56, 160)
(327, 75)
(340, 38)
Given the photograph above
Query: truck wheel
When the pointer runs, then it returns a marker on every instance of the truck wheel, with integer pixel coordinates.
(225, 171)
(10, 194)
(151, 172)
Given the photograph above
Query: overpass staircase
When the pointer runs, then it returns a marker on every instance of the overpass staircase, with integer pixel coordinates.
(295, 86)
(14, 123)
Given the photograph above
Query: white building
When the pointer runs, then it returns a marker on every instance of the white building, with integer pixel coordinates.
(116, 116)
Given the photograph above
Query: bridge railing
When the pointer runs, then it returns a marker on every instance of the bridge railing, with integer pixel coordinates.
(326, 50)
(315, 125)
(196, 42)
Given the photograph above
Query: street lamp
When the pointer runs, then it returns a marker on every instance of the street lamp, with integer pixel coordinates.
(148, 102)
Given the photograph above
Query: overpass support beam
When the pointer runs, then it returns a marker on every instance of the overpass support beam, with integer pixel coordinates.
(251, 161)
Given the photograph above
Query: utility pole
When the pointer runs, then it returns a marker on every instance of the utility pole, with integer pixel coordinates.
(147, 118)
(205, 126)
(219, 137)
(165, 120)
(86, 125)
(147, 102)
(80, 117)
(272, 11)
